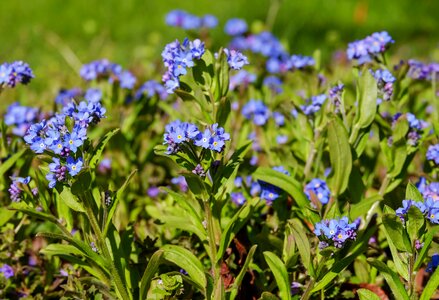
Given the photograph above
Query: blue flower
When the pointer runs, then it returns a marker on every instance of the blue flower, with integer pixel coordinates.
(16, 72)
(313, 104)
(433, 263)
(363, 50)
(257, 111)
(204, 139)
(64, 96)
(238, 198)
(74, 166)
(279, 118)
(57, 172)
(273, 83)
(242, 78)
(433, 153)
(21, 117)
(301, 62)
(319, 189)
(209, 21)
(235, 59)
(93, 95)
(151, 88)
(235, 27)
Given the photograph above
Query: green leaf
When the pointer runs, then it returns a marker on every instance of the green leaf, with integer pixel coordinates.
(302, 242)
(280, 274)
(191, 207)
(238, 280)
(222, 71)
(395, 284)
(224, 110)
(400, 129)
(6, 165)
(340, 155)
(361, 208)
(151, 269)
(268, 296)
(397, 232)
(61, 249)
(82, 183)
(424, 250)
(115, 201)
(188, 262)
(414, 224)
(368, 99)
(365, 294)
(412, 193)
(234, 225)
(98, 150)
(5, 215)
(184, 223)
(71, 200)
(431, 286)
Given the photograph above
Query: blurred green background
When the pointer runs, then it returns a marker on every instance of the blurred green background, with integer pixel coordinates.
(55, 37)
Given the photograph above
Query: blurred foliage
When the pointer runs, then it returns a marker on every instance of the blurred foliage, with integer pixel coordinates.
(55, 36)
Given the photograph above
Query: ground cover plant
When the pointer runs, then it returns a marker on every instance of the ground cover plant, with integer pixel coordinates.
(236, 172)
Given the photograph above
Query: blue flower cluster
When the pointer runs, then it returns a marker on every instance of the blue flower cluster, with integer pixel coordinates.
(177, 58)
(151, 88)
(270, 192)
(7, 271)
(313, 104)
(430, 191)
(256, 111)
(235, 27)
(335, 232)
(57, 136)
(433, 264)
(318, 188)
(185, 20)
(385, 81)
(266, 44)
(21, 117)
(13, 73)
(242, 78)
(422, 71)
(65, 96)
(433, 153)
(364, 50)
(178, 132)
(430, 208)
(416, 127)
(235, 59)
(104, 69)
(15, 189)
(273, 83)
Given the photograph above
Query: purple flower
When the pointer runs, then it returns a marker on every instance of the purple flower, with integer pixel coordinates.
(242, 78)
(273, 83)
(180, 181)
(238, 198)
(7, 271)
(153, 191)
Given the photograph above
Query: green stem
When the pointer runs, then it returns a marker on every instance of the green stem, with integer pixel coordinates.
(122, 291)
(312, 154)
(307, 293)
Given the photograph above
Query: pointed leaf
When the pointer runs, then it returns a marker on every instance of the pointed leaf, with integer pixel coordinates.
(71, 200)
(280, 274)
(366, 294)
(149, 273)
(392, 279)
(98, 150)
(339, 155)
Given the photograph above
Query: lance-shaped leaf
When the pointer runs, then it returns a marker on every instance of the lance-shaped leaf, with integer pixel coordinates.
(115, 202)
(149, 273)
(431, 286)
(238, 280)
(415, 222)
(397, 232)
(6, 165)
(234, 225)
(99, 149)
(280, 274)
(412, 193)
(188, 262)
(302, 242)
(368, 99)
(366, 294)
(392, 279)
(339, 155)
(71, 200)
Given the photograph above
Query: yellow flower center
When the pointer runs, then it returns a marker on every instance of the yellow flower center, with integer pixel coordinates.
(71, 142)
